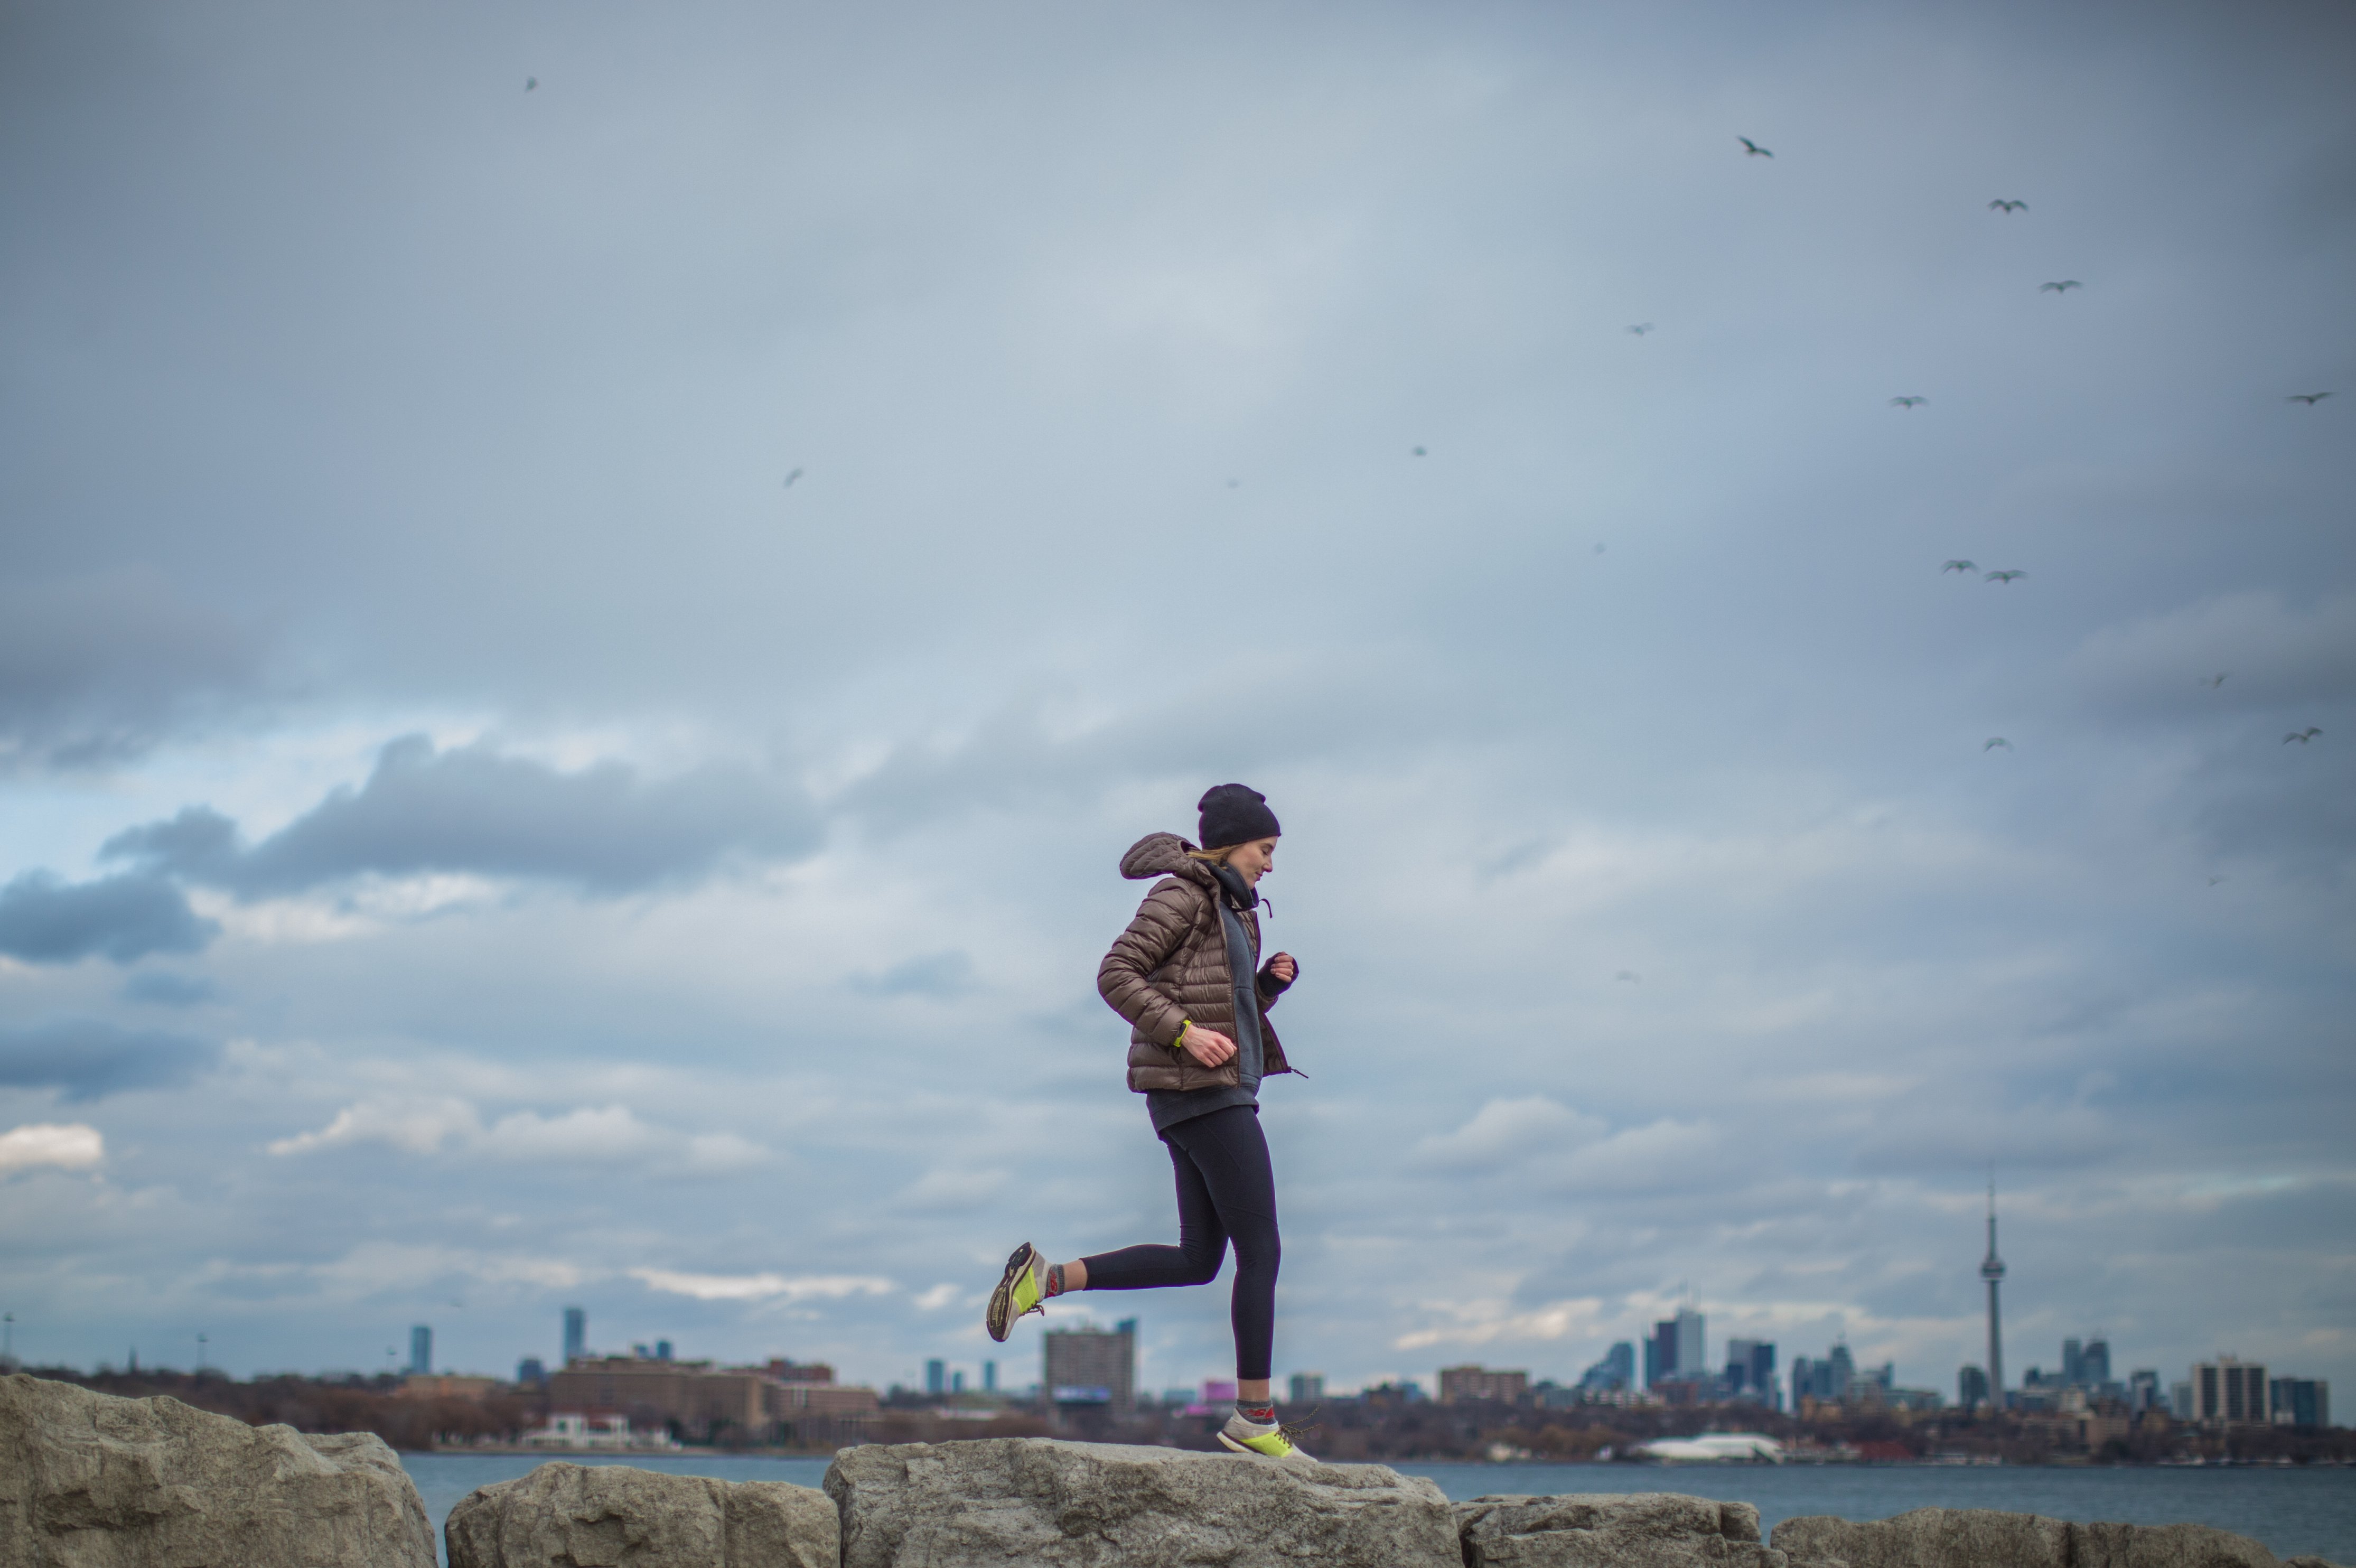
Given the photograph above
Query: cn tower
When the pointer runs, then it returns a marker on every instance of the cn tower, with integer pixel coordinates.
(1992, 1271)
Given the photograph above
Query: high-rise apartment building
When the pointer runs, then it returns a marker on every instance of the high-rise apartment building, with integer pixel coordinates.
(2143, 1390)
(1751, 1370)
(2229, 1390)
(1308, 1387)
(576, 1334)
(989, 1377)
(1090, 1366)
(1971, 1388)
(421, 1351)
(937, 1376)
(2300, 1402)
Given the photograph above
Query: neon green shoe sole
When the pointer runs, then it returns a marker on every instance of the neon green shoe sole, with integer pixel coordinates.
(1273, 1442)
(1020, 1290)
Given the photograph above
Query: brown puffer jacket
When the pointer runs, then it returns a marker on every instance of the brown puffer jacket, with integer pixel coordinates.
(1170, 968)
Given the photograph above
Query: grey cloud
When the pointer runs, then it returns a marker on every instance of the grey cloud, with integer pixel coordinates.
(471, 810)
(96, 669)
(163, 988)
(940, 976)
(89, 1058)
(46, 919)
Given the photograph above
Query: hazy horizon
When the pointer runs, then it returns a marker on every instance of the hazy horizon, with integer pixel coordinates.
(576, 662)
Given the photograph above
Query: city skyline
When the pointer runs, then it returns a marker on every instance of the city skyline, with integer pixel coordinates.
(576, 668)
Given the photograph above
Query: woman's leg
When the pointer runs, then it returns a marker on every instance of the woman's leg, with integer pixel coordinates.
(1194, 1261)
(1231, 1154)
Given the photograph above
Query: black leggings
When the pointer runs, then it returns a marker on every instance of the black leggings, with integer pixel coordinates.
(1227, 1188)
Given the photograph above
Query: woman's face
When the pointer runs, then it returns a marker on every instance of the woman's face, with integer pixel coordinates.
(1253, 861)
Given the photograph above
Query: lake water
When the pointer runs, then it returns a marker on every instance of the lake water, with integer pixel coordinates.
(2293, 1511)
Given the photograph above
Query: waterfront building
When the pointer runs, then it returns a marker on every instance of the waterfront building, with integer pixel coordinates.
(1308, 1387)
(1614, 1374)
(1461, 1383)
(576, 1334)
(446, 1386)
(421, 1350)
(706, 1401)
(1971, 1388)
(937, 1376)
(1088, 1366)
(2230, 1392)
(2300, 1402)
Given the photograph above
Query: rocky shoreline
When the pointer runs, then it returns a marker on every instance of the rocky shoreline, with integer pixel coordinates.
(88, 1478)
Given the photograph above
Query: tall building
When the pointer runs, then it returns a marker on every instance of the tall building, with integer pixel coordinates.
(2300, 1402)
(2229, 1390)
(937, 1376)
(1308, 1387)
(2143, 1390)
(421, 1351)
(1992, 1271)
(2073, 1364)
(2095, 1363)
(989, 1377)
(1751, 1369)
(1615, 1373)
(576, 1334)
(1971, 1388)
(1091, 1367)
(1676, 1348)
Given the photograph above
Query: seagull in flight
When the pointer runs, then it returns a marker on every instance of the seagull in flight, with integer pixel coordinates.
(1753, 149)
(2302, 736)
(1907, 401)
(2310, 399)
(1967, 568)
(2214, 880)
(2004, 577)
(1646, 327)
(2064, 286)
(2001, 205)
(1419, 451)
(1626, 975)
(2213, 681)
(530, 83)
(791, 477)
(1996, 740)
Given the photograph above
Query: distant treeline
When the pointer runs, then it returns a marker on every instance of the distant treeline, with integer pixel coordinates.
(351, 1403)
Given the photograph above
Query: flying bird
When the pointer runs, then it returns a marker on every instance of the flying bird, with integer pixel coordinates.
(2310, 399)
(2214, 880)
(1626, 975)
(1996, 740)
(1233, 484)
(1753, 149)
(1907, 401)
(2213, 681)
(2064, 286)
(2001, 205)
(2004, 577)
(1419, 451)
(1599, 550)
(791, 477)
(530, 83)
(1967, 568)
(1646, 327)
(2302, 736)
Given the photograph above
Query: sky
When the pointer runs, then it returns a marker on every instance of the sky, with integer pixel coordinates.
(594, 592)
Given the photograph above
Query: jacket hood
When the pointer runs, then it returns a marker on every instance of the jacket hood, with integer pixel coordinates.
(1164, 854)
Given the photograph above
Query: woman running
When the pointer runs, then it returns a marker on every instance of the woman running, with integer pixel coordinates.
(1186, 975)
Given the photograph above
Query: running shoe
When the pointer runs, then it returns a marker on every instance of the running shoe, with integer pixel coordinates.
(1019, 1293)
(1274, 1441)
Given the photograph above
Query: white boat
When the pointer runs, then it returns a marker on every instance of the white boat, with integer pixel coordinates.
(1716, 1447)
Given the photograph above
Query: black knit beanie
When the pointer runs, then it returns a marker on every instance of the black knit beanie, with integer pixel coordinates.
(1234, 813)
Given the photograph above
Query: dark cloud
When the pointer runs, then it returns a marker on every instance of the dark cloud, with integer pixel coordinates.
(96, 669)
(87, 1058)
(46, 919)
(470, 810)
(163, 988)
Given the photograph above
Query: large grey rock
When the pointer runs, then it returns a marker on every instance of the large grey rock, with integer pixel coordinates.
(613, 1515)
(1983, 1537)
(1034, 1500)
(88, 1480)
(1637, 1530)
